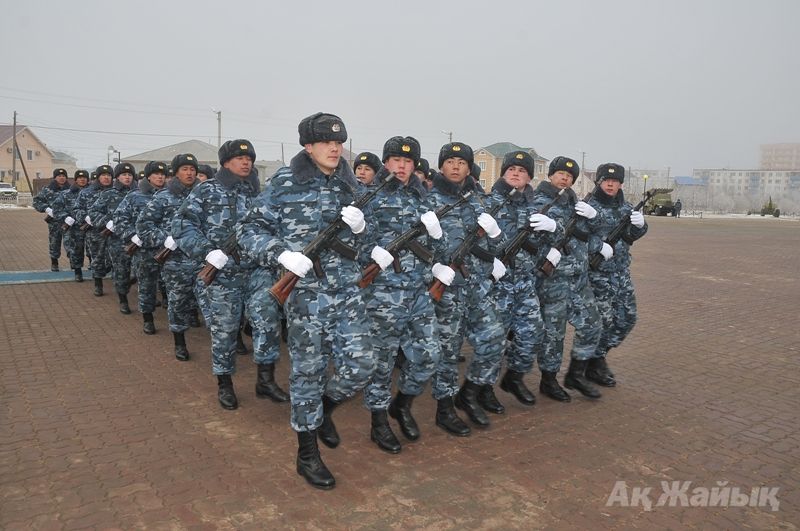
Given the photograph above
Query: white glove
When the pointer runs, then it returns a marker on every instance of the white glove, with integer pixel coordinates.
(585, 209)
(297, 263)
(170, 244)
(432, 225)
(542, 222)
(637, 219)
(88, 220)
(136, 239)
(444, 273)
(607, 251)
(554, 256)
(110, 225)
(488, 224)
(498, 269)
(69, 220)
(217, 258)
(354, 218)
(382, 257)
(48, 211)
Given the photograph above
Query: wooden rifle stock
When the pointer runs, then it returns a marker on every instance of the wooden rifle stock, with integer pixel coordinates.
(162, 255)
(131, 249)
(105, 233)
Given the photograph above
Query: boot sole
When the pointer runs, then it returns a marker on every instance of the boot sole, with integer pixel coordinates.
(457, 434)
(276, 400)
(315, 485)
(385, 449)
(573, 388)
(515, 395)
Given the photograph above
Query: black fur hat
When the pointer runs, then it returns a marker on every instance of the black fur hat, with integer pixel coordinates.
(424, 166)
(81, 173)
(235, 148)
(399, 146)
(610, 170)
(154, 167)
(206, 170)
(475, 171)
(124, 167)
(60, 171)
(518, 158)
(186, 159)
(321, 127)
(370, 159)
(456, 149)
(564, 163)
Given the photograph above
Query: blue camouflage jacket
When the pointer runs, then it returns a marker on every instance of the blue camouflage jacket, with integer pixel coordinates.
(87, 198)
(47, 194)
(66, 204)
(154, 223)
(610, 212)
(128, 211)
(102, 211)
(298, 204)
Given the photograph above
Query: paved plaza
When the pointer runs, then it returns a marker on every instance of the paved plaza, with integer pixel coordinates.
(102, 428)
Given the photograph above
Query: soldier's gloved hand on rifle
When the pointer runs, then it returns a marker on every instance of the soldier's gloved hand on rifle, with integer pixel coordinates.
(88, 220)
(432, 225)
(135, 239)
(443, 273)
(69, 220)
(48, 211)
(607, 251)
(637, 219)
(297, 263)
(542, 222)
(110, 225)
(382, 257)
(488, 224)
(354, 219)
(170, 244)
(554, 256)
(217, 258)
(585, 209)
(498, 269)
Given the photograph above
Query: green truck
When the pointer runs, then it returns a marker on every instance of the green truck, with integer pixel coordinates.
(660, 204)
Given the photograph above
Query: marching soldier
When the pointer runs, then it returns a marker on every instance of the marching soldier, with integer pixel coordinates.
(366, 166)
(65, 213)
(205, 172)
(43, 202)
(95, 242)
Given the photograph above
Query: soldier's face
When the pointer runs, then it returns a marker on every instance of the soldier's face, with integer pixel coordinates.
(455, 170)
(325, 155)
(81, 182)
(610, 186)
(400, 166)
(187, 174)
(365, 174)
(517, 177)
(201, 177)
(240, 166)
(125, 178)
(561, 179)
(61, 179)
(157, 179)
(105, 179)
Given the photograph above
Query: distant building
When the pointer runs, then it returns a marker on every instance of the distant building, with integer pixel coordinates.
(780, 156)
(33, 157)
(66, 161)
(490, 161)
(743, 189)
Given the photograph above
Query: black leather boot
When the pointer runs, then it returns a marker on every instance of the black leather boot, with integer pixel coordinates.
(447, 419)
(149, 327)
(467, 401)
(488, 400)
(241, 348)
(54, 264)
(381, 433)
(327, 431)
(309, 462)
(400, 410)
(513, 383)
(78, 274)
(181, 352)
(98, 287)
(597, 371)
(225, 392)
(549, 387)
(576, 379)
(123, 304)
(266, 386)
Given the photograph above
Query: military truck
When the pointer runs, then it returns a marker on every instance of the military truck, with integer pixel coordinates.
(660, 204)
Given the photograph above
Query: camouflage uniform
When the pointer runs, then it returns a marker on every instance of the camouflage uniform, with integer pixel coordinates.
(264, 316)
(95, 243)
(326, 316)
(43, 200)
(66, 204)
(101, 212)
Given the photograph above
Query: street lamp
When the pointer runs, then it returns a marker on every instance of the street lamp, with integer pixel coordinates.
(112, 149)
(449, 135)
(644, 178)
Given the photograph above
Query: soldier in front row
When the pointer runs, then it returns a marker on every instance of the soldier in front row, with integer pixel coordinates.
(43, 202)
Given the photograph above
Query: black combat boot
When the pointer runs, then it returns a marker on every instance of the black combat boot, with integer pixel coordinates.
(181, 352)
(400, 410)
(78, 274)
(54, 264)
(149, 326)
(381, 433)
(576, 379)
(98, 287)
(194, 319)
(513, 383)
(241, 348)
(327, 431)
(225, 393)
(467, 401)
(598, 372)
(489, 401)
(549, 387)
(447, 419)
(123, 304)
(266, 386)
(309, 462)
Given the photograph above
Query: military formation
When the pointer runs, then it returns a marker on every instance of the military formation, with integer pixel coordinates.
(388, 265)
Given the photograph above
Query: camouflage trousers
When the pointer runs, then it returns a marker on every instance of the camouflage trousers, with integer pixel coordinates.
(75, 245)
(54, 235)
(407, 319)
(616, 303)
(223, 304)
(96, 245)
(178, 275)
(120, 264)
(568, 299)
(326, 326)
(147, 275)
(263, 312)
(519, 311)
(468, 311)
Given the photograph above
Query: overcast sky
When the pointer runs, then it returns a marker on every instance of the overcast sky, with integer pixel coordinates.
(648, 84)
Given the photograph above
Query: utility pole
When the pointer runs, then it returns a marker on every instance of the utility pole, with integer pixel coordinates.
(219, 127)
(351, 152)
(283, 160)
(449, 135)
(14, 154)
(583, 181)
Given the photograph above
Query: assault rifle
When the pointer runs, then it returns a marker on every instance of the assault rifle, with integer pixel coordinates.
(408, 240)
(131, 249)
(467, 247)
(521, 240)
(618, 232)
(230, 247)
(162, 255)
(569, 229)
(327, 239)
